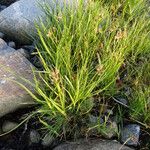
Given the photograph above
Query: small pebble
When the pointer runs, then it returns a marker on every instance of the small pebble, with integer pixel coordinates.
(24, 52)
(12, 44)
(1, 35)
(34, 136)
(130, 134)
(8, 125)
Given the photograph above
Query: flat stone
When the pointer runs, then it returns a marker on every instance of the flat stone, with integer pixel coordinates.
(12, 66)
(96, 144)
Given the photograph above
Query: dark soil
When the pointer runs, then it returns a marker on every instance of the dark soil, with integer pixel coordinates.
(7, 2)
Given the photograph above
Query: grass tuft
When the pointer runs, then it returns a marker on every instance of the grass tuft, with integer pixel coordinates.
(87, 51)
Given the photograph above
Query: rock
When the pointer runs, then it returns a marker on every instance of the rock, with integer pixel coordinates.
(12, 66)
(24, 52)
(8, 125)
(34, 136)
(17, 20)
(12, 44)
(1, 35)
(96, 144)
(47, 140)
(130, 134)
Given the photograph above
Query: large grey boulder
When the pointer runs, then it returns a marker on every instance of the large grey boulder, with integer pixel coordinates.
(17, 21)
(96, 144)
(12, 66)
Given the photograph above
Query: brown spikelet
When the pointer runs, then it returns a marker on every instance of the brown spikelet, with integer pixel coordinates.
(99, 68)
(55, 75)
(120, 34)
(49, 34)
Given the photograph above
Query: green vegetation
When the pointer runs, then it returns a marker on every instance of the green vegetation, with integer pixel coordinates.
(89, 55)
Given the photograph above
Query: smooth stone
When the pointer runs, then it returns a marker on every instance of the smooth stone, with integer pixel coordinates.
(47, 140)
(17, 20)
(34, 136)
(14, 65)
(1, 35)
(130, 134)
(12, 44)
(8, 125)
(96, 144)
